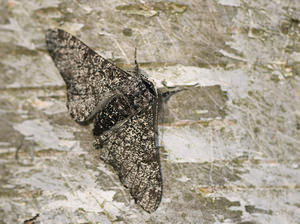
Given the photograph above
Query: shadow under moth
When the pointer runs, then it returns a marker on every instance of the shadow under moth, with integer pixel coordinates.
(123, 107)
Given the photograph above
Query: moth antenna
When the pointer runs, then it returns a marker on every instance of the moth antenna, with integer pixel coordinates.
(135, 61)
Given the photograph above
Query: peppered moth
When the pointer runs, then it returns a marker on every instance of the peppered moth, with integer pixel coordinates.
(123, 106)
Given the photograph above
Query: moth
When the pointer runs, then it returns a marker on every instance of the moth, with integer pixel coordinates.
(123, 107)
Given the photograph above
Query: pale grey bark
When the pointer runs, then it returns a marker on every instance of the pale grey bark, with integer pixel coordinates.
(229, 150)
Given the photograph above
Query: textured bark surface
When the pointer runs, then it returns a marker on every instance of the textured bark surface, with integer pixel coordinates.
(229, 149)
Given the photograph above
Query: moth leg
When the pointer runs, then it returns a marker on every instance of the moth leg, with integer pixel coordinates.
(19, 148)
(167, 91)
(23, 145)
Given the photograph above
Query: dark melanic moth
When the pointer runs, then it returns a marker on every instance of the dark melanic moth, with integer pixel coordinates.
(123, 106)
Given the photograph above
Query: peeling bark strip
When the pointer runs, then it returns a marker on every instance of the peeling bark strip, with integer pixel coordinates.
(124, 109)
(32, 220)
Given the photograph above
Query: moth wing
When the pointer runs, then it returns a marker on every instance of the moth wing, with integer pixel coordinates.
(91, 80)
(133, 153)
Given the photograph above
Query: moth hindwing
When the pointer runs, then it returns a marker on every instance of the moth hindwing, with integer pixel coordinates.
(123, 106)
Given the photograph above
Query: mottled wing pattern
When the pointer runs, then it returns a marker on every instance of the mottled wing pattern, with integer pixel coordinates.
(124, 108)
(132, 151)
(129, 101)
(91, 80)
